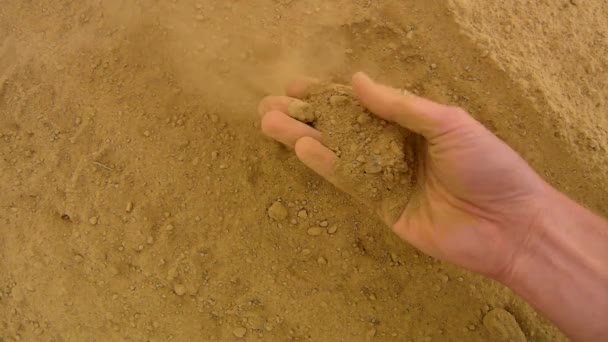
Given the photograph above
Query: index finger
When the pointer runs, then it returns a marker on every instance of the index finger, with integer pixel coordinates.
(299, 88)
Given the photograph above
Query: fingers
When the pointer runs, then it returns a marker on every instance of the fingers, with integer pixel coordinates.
(286, 130)
(295, 90)
(299, 88)
(419, 115)
(317, 157)
(278, 103)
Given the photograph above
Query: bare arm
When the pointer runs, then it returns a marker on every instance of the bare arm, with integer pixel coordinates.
(563, 269)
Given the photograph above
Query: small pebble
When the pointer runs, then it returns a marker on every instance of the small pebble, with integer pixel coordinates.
(301, 111)
(363, 119)
(239, 332)
(277, 211)
(129, 207)
(303, 214)
(332, 230)
(315, 231)
(93, 220)
(169, 227)
(373, 167)
(322, 260)
(179, 289)
(324, 224)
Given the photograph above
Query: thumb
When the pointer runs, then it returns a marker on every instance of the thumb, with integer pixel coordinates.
(417, 114)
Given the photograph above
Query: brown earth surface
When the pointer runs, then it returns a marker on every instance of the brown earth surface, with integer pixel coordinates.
(136, 185)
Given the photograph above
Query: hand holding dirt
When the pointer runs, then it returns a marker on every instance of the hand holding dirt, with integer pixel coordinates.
(440, 179)
(462, 195)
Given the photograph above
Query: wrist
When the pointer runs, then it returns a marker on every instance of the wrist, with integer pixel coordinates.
(561, 268)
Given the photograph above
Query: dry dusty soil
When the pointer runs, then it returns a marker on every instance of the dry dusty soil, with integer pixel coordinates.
(135, 185)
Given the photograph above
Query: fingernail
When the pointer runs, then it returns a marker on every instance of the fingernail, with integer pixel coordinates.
(363, 77)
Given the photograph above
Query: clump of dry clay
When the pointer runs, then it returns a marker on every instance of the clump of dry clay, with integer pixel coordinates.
(503, 326)
(376, 159)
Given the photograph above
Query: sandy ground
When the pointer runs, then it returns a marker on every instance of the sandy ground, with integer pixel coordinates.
(135, 182)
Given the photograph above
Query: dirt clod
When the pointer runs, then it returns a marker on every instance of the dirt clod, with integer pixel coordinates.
(503, 326)
(179, 289)
(278, 212)
(239, 332)
(315, 231)
(301, 111)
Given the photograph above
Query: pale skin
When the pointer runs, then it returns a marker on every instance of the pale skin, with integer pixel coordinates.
(479, 206)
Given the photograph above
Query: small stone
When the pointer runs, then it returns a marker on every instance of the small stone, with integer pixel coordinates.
(410, 35)
(306, 251)
(361, 159)
(93, 220)
(179, 289)
(301, 111)
(373, 167)
(315, 231)
(433, 66)
(146, 134)
(129, 207)
(324, 224)
(239, 332)
(150, 240)
(363, 119)
(78, 258)
(485, 53)
(332, 230)
(169, 227)
(303, 214)
(322, 261)
(503, 326)
(277, 211)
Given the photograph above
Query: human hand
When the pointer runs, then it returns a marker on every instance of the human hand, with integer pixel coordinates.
(476, 200)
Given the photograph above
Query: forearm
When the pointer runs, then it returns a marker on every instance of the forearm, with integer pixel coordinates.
(563, 271)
